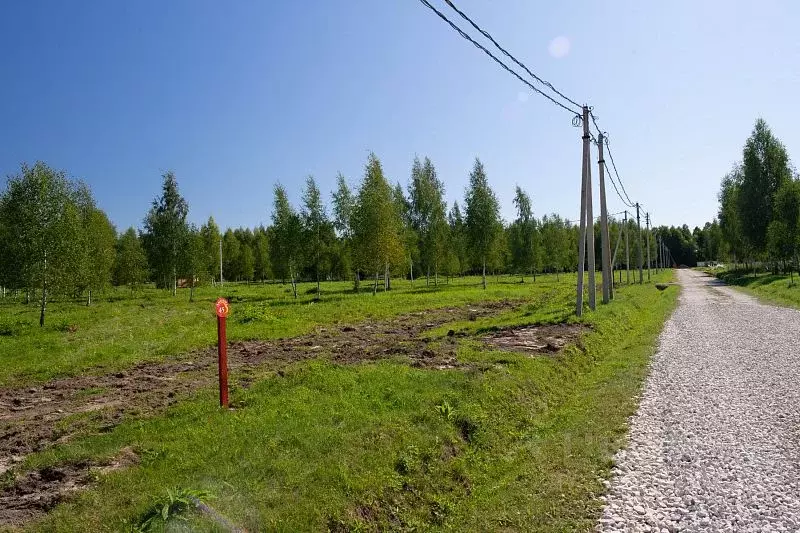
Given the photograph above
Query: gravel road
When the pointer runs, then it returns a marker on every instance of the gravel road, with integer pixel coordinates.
(714, 444)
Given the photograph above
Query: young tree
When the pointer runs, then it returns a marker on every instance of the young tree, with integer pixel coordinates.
(376, 224)
(165, 233)
(39, 205)
(408, 237)
(458, 238)
(99, 238)
(765, 168)
(286, 237)
(483, 216)
(522, 235)
(247, 262)
(428, 215)
(231, 252)
(210, 236)
(195, 259)
(261, 267)
(130, 264)
(315, 229)
(343, 208)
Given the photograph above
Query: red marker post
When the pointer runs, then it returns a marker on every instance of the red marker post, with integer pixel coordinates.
(222, 309)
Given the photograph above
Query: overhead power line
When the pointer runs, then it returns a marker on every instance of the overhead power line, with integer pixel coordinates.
(495, 58)
(511, 57)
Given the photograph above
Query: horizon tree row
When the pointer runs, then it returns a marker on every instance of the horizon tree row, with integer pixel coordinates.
(55, 240)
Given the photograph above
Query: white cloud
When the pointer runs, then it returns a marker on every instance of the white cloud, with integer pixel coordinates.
(559, 47)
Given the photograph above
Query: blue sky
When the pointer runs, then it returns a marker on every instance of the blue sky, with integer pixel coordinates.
(235, 96)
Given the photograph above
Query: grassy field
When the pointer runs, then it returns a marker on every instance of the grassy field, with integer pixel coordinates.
(119, 330)
(504, 441)
(778, 289)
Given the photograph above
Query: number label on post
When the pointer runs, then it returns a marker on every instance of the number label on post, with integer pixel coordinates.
(221, 307)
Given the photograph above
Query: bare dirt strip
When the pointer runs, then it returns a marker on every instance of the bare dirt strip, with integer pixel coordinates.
(35, 418)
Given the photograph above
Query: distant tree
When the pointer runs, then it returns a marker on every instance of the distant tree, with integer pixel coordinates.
(261, 266)
(555, 243)
(231, 256)
(765, 167)
(316, 229)
(457, 241)
(483, 216)
(130, 264)
(247, 262)
(428, 215)
(376, 224)
(522, 235)
(44, 237)
(408, 237)
(343, 207)
(195, 259)
(165, 233)
(210, 236)
(287, 233)
(98, 240)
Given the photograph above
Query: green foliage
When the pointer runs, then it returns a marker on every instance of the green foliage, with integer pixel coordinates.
(482, 217)
(285, 237)
(174, 505)
(44, 234)
(130, 263)
(210, 235)
(377, 224)
(165, 233)
(765, 168)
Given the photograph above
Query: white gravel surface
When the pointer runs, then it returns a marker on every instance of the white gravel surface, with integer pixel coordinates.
(714, 445)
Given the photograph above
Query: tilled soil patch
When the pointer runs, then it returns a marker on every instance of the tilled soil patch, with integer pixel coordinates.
(40, 490)
(536, 339)
(34, 418)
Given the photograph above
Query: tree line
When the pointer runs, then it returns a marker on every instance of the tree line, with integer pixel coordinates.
(55, 240)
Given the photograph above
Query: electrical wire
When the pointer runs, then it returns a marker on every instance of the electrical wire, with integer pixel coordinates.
(511, 57)
(495, 58)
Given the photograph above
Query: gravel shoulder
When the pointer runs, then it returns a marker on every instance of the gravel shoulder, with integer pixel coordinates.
(714, 445)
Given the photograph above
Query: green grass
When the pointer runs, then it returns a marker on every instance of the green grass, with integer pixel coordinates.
(512, 443)
(772, 288)
(119, 330)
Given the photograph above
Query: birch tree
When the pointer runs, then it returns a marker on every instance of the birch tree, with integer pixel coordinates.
(286, 229)
(482, 217)
(343, 207)
(130, 263)
(376, 224)
(44, 245)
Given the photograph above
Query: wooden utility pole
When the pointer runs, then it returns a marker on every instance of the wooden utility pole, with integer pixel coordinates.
(627, 252)
(582, 236)
(647, 220)
(608, 281)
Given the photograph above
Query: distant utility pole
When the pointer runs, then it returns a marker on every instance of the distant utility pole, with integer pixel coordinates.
(627, 252)
(582, 236)
(608, 281)
(639, 227)
(647, 219)
(222, 284)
